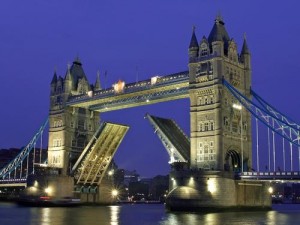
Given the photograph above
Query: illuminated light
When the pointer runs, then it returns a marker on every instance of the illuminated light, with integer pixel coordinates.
(111, 172)
(35, 184)
(270, 190)
(177, 88)
(154, 80)
(211, 186)
(119, 86)
(191, 182)
(90, 93)
(147, 100)
(172, 178)
(48, 190)
(114, 193)
(237, 106)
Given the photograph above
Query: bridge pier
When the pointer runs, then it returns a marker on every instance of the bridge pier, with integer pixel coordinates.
(56, 186)
(215, 191)
(100, 195)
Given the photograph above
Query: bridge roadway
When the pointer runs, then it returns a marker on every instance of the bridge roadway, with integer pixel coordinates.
(272, 176)
(150, 91)
(13, 183)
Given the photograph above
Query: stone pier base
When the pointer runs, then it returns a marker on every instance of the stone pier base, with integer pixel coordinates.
(101, 194)
(215, 191)
(56, 186)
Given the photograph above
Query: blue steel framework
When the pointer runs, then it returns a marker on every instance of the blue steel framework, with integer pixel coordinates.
(23, 157)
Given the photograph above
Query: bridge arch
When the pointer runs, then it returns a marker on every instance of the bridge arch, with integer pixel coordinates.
(232, 161)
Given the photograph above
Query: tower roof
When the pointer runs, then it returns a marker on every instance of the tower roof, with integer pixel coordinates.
(245, 49)
(76, 71)
(68, 74)
(218, 32)
(194, 42)
(97, 83)
(54, 79)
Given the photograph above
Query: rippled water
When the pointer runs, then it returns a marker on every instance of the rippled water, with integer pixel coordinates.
(11, 214)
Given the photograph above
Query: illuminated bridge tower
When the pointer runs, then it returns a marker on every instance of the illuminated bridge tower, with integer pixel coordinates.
(220, 128)
(70, 128)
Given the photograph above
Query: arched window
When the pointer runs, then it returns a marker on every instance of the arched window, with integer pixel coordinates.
(203, 49)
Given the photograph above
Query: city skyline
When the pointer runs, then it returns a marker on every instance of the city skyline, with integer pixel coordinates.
(134, 41)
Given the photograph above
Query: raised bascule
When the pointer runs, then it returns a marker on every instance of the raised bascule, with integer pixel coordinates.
(210, 170)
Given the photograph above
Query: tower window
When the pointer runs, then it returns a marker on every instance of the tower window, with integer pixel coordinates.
(206, 126)
(205, 100)
(212, 125)
(204, 52)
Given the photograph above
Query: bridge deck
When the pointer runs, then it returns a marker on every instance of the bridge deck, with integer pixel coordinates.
(166, 88)
(172, 137)
(94, 160)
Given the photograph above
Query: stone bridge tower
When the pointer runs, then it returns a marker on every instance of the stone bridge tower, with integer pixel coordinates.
(70, 129)
(220, 133)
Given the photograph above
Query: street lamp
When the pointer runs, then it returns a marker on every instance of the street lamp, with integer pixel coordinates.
(240, 108)
(114, 193)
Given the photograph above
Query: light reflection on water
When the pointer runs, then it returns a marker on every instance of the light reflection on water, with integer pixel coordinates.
(114, 215)
(10, 214)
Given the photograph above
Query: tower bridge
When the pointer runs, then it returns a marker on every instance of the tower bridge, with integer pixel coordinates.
(212, 168)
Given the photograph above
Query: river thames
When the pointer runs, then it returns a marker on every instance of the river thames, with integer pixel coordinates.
(11, 214)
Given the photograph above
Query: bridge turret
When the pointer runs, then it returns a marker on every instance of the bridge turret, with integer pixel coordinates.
(245, 56)
(218, 38)
(53, 83)
(97, 86)
(193, 47)
(68, 81)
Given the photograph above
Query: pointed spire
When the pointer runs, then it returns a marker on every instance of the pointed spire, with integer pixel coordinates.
(194, 42)
(97, 83)
(245, 49)
(54, 79)
(218, 32)
(77, 60)
(219, 18)
(68, 74)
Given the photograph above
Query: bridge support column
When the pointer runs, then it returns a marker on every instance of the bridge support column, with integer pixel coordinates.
(215, 191)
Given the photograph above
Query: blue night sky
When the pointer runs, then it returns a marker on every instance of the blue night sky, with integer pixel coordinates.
(37, 36)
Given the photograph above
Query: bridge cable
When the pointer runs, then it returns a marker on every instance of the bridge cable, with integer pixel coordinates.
(274, 111)
(269, 146)
(264, 114)
(257, 156)
(291, 149)
(274, 150)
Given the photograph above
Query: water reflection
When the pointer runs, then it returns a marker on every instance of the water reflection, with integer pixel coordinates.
(142, 214)
(114, 215)
(45, 216)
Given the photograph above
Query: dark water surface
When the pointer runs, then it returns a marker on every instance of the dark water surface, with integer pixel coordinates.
(10, 214)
